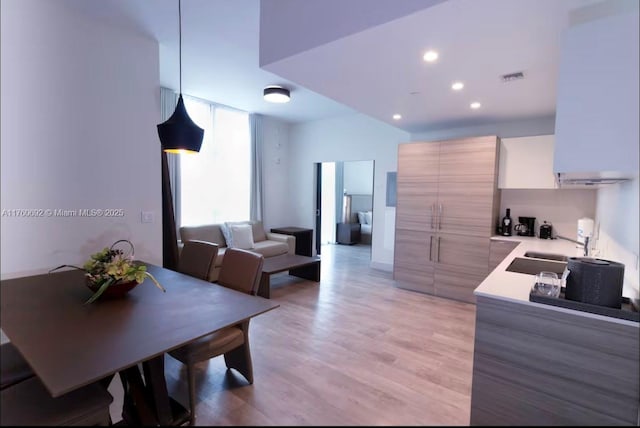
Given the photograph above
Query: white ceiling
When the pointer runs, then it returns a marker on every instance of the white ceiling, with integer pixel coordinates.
(374, 71)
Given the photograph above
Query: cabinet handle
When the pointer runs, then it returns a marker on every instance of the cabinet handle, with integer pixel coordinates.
(440, 217)
(433, 208)
(430, 246)
(438, 253)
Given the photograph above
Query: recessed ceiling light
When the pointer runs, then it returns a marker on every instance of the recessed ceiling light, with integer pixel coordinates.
(457, 86)
(276, 94)
(430, 56)
(475, 105)
(397, 116)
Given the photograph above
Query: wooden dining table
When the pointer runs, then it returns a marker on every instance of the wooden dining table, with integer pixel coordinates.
(70, 344)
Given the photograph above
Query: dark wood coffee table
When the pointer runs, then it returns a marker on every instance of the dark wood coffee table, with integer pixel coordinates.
(300, 266)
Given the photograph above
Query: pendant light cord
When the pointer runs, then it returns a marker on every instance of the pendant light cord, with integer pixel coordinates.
(180, 39)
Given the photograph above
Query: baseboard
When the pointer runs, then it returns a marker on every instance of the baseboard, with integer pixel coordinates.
(387, 267)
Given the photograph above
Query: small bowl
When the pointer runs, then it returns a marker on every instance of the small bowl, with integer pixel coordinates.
(114, 291)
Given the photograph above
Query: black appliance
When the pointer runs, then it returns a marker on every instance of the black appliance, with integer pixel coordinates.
(546, 231)
(526, 227)
(595, 281)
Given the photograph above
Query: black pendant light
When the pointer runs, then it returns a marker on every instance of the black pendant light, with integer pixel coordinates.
(179, 134)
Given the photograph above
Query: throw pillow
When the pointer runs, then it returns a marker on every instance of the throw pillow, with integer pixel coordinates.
(242, 236)
(226, 231)
(368, 217)
(361, 218)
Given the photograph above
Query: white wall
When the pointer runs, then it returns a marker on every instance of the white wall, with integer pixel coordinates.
(358, 177)
(562, 207)
(275, 171)
(344, 138)
(618, 223)
(80, 104)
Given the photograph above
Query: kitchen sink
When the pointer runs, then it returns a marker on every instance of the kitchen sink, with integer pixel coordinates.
(535, 266)
(546, 256)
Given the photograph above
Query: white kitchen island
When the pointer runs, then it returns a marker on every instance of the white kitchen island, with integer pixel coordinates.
(537, 364)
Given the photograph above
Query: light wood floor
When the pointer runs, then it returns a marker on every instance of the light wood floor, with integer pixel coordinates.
(350, 350)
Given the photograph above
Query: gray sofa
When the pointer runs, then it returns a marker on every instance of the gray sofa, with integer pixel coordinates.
(266, 243)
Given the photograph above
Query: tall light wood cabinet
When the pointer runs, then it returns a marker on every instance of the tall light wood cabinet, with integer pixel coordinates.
(447, 207)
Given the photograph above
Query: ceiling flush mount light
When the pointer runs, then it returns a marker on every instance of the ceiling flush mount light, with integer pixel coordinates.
(430, 56)
(475, 105)
(512, 76)
(179, 134)
(397, 116)
(457, 86)
(276, 94)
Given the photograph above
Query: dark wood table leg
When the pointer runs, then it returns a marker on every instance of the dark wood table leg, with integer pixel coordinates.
(264, 290)
(147, 402)
(136, 408)
(311, 271)
(157, 387)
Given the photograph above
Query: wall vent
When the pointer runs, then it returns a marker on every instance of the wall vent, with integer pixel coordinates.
(512, 76)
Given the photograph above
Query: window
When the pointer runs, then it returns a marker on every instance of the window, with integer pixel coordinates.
(215, 183)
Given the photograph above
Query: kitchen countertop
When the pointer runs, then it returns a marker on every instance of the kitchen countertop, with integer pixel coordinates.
(515, 287)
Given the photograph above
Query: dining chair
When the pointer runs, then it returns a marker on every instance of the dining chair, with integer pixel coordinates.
(197, 259)
(13, 367)
(28, 403)
(241, 271)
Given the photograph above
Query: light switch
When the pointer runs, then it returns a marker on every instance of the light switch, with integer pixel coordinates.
(147, 216)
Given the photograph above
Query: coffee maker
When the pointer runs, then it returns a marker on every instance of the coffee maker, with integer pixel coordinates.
(526, 227)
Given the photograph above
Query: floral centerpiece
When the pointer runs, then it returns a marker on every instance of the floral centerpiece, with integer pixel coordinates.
(111, 271)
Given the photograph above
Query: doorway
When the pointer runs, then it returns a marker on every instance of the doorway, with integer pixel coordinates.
(344, 204)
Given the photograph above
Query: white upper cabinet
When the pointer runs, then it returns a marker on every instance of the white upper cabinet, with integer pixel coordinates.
(597, 96)
(527, 163)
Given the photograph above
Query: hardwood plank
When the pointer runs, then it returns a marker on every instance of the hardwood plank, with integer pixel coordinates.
(352, 350)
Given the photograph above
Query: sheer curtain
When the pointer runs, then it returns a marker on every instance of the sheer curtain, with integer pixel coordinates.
(257, 194)
(215, 184)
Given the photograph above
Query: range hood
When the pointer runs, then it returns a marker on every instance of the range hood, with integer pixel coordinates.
(594, 180)
(597, 105)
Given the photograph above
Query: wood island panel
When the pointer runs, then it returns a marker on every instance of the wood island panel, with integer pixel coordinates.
(538, 366)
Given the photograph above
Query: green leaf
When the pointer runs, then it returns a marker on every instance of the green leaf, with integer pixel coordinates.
(62, 266)
(155, 281)
(101, 290)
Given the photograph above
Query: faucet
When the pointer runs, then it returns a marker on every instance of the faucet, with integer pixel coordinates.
(585, 243)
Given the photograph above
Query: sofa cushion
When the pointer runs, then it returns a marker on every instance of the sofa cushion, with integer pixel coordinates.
(270, 248)
(258, 231)
(208, 232)
(241, 236)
